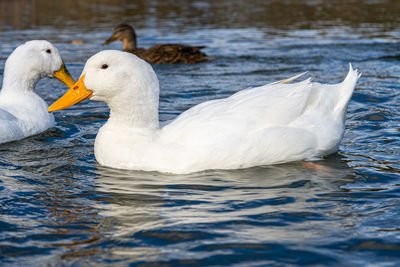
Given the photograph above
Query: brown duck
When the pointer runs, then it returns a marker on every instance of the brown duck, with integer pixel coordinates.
(158, 54)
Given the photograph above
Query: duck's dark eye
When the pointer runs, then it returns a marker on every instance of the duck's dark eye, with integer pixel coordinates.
(48, 51)
(104, 66)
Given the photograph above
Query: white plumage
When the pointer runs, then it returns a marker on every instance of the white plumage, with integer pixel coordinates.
(270, 124)
(22, 111)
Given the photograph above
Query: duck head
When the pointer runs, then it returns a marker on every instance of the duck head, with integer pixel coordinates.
(30, 62)
(125, 82)
(124, 33)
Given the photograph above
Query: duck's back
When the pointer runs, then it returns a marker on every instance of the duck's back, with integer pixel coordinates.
(172, 54)
(22, 116)
(268, 105)
(9, 128)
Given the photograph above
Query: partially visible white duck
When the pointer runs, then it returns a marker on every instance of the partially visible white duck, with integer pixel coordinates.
(22, 112)
(270, 124)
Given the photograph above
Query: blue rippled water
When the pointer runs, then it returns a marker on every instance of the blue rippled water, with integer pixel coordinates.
(59, 207)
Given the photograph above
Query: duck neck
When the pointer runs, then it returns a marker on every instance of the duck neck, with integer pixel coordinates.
(134, 114)
(129, 42)
(18, 80)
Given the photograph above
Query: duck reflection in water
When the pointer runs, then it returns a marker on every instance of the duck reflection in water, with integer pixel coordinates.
(150, 207)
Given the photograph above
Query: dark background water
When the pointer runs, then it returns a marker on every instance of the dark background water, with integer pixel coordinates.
(59, 207)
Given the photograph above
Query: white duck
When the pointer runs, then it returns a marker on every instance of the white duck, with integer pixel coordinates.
(22, 111)
(270, 124)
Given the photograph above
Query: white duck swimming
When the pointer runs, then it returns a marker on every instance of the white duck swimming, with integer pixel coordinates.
(270, 124)
(22, 111)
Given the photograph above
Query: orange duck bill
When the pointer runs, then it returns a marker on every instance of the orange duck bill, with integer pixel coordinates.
(63, 75)
(77, 93)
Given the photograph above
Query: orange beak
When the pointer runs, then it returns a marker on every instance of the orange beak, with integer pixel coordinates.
(63, 75)
(77, 93)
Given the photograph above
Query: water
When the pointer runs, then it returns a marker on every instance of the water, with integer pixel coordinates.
(59, 207)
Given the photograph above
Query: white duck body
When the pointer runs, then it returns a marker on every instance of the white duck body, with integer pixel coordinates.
(22, 112)
(257, 126)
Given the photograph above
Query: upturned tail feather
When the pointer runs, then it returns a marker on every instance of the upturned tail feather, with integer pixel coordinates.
(346, 90)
